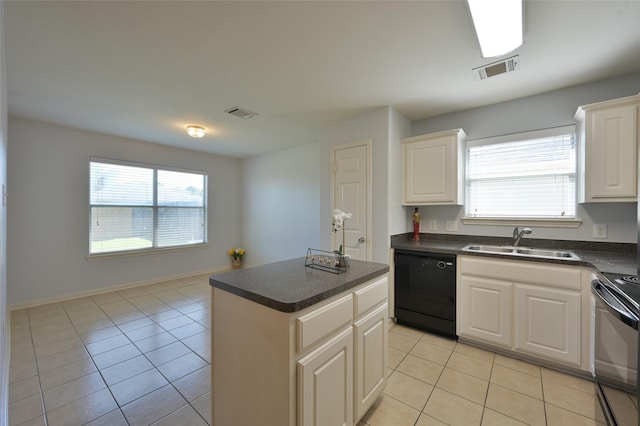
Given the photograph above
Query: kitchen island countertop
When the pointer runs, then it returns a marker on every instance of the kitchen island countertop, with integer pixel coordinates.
(290, 286)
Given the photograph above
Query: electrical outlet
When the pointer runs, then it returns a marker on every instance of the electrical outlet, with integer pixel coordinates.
(433, 225)
(157, 261)
(452, 225)
(599, 230)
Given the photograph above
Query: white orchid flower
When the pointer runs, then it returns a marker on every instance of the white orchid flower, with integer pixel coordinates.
(338, 219)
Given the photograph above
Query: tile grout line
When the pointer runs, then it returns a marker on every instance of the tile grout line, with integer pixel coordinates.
(486, 394)
(84, 345)
(35, 360)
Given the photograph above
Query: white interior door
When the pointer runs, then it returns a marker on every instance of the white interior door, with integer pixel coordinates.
(352, 194)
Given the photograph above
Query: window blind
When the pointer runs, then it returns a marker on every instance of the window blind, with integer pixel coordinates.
(138, 207)
(527, 175)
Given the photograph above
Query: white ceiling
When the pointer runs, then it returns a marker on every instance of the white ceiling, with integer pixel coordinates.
(146, 69)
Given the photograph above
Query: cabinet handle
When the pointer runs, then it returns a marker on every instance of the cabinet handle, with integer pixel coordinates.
(361, 240)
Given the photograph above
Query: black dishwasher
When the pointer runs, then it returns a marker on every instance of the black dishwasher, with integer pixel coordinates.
(425, 291)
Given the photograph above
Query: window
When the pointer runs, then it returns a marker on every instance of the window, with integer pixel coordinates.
(140, 207)
(525, 175)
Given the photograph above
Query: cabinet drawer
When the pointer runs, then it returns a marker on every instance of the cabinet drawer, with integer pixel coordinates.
(322, 321)
(370, 296)
(521, 271)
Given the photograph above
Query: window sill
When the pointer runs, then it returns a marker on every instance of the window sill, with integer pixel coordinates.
(506, 221)
(121, 254)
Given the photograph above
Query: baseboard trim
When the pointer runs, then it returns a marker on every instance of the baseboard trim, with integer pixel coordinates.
(76, 295)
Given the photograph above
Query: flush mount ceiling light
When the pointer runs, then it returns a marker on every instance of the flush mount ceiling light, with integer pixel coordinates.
(195, 131)
(498, 25)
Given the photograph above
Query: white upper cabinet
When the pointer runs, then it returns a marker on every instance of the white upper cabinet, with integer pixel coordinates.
(608, 133)
(434, 169)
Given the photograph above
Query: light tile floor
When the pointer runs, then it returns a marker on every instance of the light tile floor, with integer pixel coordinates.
(142, 356)
(439, 381)
(139, 356)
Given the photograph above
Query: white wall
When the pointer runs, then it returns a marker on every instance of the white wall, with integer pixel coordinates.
(287, 193)
(281, 207)
(48, 236)
(546, 110)
(399, 127)
(372, 125)
(4, 327)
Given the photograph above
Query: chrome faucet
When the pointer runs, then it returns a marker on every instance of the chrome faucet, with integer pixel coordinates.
(517, 236)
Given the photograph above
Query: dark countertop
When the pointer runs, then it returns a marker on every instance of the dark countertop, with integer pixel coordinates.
(289, 286)
(605, 257)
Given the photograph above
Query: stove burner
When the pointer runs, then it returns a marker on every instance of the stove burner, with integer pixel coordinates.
(633, 279)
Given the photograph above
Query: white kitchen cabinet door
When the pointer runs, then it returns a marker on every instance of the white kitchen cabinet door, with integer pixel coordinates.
(433, 168)
(548, 323)
(486, 310)
(609, 138)
(325, 383)
(371, 338)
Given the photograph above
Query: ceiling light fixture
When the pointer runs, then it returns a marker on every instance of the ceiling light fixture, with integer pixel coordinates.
(498, 25)
(195, 131)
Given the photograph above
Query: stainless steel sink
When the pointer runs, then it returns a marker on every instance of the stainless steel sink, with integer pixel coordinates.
(489, 249)
(522, 251)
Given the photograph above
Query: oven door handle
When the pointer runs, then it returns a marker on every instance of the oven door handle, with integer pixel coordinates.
(618, 309)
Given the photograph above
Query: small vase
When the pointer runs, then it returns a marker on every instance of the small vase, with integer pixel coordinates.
(343, 260)
(236, 263)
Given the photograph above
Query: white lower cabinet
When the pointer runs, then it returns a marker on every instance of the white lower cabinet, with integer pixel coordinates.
(535, 309)
(487, 309)
(322, 366)
(325, 383)
(548, 323)
(371, 338)
(340, 380)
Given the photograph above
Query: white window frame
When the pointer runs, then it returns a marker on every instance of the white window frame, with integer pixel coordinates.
(570, 222)
(155, 206)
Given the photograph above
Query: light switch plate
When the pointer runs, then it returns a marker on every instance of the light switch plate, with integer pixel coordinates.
(452, 225)
(599, 230)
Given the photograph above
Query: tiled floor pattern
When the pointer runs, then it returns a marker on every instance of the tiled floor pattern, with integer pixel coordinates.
(142, 357)
(139, 356)
(437, 381)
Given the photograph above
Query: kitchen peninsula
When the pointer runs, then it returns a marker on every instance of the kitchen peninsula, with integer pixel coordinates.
(289, 343)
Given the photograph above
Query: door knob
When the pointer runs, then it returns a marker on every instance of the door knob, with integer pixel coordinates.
(361, 240)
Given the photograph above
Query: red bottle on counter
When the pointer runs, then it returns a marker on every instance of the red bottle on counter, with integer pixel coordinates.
(416, 225)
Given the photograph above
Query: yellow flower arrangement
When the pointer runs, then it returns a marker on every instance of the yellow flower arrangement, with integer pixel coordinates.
(236, 253)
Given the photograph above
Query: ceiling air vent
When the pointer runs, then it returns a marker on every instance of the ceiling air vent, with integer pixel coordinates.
(240, 112)
(497, 68)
